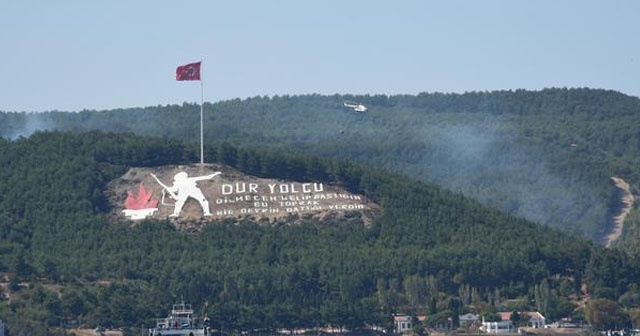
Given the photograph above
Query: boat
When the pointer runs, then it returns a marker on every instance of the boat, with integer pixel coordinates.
(181, 321)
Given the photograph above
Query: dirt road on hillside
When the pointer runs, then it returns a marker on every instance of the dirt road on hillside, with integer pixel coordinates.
(627, 200)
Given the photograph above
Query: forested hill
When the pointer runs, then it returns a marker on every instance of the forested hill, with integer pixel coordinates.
(430, 251)
(547, 155)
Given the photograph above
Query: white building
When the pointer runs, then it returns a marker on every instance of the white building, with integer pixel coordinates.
(536, 320)
(468, 319)
(402, 323)
(500, 327)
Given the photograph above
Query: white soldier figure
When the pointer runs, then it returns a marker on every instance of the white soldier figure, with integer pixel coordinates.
(184, 187)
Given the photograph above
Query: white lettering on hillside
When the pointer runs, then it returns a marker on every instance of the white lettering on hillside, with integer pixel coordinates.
(275, 199)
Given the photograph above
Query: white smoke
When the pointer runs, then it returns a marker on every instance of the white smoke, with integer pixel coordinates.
(23, 125)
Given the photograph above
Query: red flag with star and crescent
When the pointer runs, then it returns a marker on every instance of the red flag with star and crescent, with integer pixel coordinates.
(188, 72)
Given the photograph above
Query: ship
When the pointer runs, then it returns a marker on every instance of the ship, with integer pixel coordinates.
(181, 321)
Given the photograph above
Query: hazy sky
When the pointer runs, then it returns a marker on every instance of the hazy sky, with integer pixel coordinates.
(74, 55)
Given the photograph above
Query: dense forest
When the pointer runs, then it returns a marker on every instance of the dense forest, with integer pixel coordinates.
(547, 156)
(430, 251)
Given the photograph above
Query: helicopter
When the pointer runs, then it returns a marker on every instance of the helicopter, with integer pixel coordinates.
(358, 107)
(355, 106)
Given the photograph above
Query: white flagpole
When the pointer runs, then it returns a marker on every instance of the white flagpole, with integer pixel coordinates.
(201, 115)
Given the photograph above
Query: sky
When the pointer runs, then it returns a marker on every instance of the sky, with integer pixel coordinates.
(74, 55)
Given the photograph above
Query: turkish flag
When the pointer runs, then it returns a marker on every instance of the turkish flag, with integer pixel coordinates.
(188, 72)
